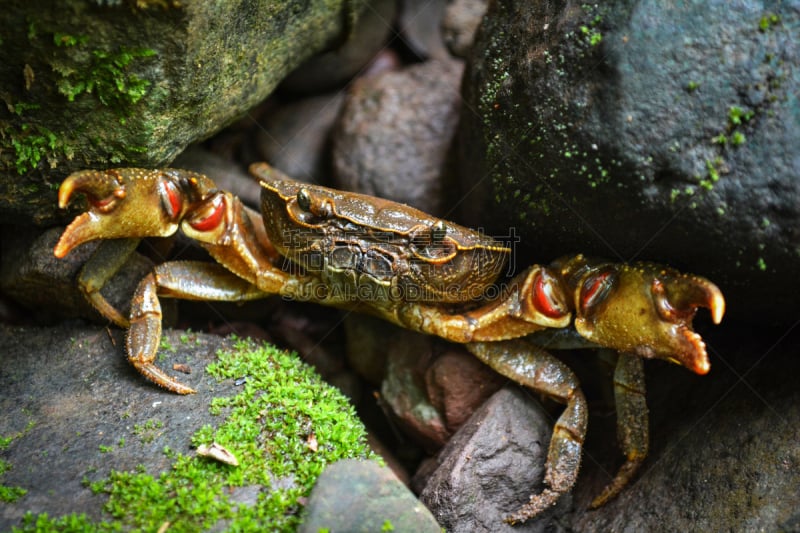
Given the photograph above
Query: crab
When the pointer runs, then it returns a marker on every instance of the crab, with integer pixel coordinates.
(366, 254)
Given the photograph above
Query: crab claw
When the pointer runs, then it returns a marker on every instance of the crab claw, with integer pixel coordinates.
(129, 202)
(643, 308)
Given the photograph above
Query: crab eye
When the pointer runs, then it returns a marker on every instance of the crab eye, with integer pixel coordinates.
(595, 289)
(438, 232)
(548, 298)
(210, 215)
(304, 200)
(171, 200)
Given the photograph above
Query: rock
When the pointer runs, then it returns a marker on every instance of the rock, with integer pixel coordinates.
(84, 433)
(403, 391)
(491, 466)
(361, 496)
(368, 339)
(457, 384)
(460, 22)
(419, 23)
(723, 450)
(90, 86)
(226, 174)
(333, 69)
(36, 279)
(723, 453)
(428, 387)
(295, 136)
(643, 130)
(395, 131)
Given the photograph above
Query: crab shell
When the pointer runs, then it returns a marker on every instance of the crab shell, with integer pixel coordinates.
(330, 231)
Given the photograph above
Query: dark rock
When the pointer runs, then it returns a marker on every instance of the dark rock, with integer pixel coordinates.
(460, 22)
(333, 69)
(75, 388)
(403, 390)
(457, 384)
(34, 277)
(723, 453)
(419, 22)
(294, 137)
(357, 496)
(227, 175)
(394, 134)
(491, 466)
(723, 450)
(642, 130)
(74, 411)
(89, 85)
(368, 339)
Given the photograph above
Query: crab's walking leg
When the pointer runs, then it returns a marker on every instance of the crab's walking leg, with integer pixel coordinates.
(540, 371)
(632, 423)
(106, 261)
(181, 279)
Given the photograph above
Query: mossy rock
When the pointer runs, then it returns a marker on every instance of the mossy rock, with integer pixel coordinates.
(642, 129)
(88, 445)
(100, 84)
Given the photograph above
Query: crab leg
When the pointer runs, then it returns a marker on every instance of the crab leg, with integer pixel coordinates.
(106, 260)
(632, 423)
(192, 280)
(533, 367)
(534, 301)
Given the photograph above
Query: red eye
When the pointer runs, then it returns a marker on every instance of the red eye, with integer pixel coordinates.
(548, 298)
(211, 216)
(171, 199)
(595, 289)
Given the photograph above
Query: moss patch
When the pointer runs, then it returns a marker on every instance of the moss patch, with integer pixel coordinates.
(283, 428)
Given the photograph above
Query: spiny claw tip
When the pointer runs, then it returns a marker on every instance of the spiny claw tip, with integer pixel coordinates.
(717, 306)
(65, 192)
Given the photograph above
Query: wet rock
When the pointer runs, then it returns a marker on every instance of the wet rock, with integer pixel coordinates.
(359, 496)
(429, 387)
(368, 340)
(333, 69)
(295, 137)
(403, 391)
(491, 466)
(723, 452)
(35, 278)
(226, 174)
(460, 22)
(81, 399)
(642, 130)
(419, 23)
(91, 86)
(457, 383)
(74, 411)
(394, 134)
(723, 449)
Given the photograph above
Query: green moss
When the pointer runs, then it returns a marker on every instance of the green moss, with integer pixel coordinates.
(12, 494)
(283, 427)
(767, 21)
(107, 76)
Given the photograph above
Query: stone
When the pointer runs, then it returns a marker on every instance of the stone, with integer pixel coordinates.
(395, 132)
(91, 85)
(295, 137)
(75, 412)
(491, 466)
(642, 130)
(36, 279)
(365, 39)
(362, 496)
(460, 22)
